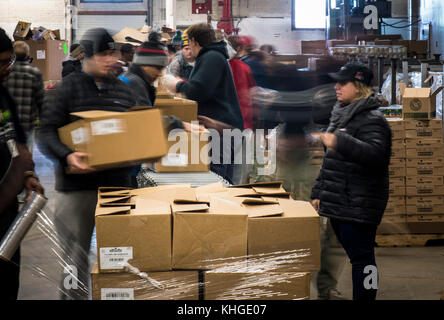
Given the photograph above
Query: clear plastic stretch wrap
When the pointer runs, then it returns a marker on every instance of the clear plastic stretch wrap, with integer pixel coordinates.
(181, 243)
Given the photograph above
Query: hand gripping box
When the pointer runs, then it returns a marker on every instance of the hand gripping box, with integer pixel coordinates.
(116, 139)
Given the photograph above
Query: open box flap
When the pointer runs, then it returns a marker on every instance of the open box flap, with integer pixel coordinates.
(92, 114)
(150, 206)
(106, 211)
(270, 184)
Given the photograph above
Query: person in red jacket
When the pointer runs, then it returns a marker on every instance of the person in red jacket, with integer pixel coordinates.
(244, 82)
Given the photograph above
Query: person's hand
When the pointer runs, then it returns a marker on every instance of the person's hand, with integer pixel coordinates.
(24, 158)
(192, 127)
(315, 203)
(328, 139)
(213, 124)
(169, 82)
(32, 184)
(78, 164)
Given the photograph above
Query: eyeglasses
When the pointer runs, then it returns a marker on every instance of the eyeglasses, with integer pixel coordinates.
(4, 64)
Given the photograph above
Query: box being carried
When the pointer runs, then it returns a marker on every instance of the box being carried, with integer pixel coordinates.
(116, 139)
(419, 103)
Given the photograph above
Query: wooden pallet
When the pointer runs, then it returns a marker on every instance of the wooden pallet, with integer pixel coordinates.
(408, 240)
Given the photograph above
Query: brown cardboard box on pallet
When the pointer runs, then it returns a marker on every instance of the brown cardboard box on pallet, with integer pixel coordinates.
(397, 162)
(425, 209)
(397, 182)
(401, 218)
(425, 171)
(48, 56)
(397, 190)
(425, 218)
(425, 189)
(395, 209)
(116, 139)
(417, 124)
(424, 200)
(397, 171)
(425, 152)
(419, 103)
(412, 181)
(177, 285)
(398, 134)
(418, 162)
(424, 133)
(256, 285)
(398, 152)
(396, 123)
(423, 143)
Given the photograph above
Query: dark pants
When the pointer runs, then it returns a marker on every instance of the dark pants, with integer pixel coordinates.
(9, 277)
(358, 240)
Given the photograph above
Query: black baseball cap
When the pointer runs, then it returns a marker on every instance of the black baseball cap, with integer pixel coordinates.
(353, 72)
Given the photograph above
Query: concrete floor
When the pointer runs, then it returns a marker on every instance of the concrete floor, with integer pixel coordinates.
(410, 273)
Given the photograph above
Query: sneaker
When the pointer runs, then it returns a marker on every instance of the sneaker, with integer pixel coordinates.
(335, 294)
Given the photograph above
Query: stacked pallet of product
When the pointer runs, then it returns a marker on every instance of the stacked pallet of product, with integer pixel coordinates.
(425, 171)
(396, 210)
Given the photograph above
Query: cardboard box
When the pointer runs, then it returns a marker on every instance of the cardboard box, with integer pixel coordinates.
(295, 232)
(424, 200)
(397, 162)
(178, 285)
(425, 152)
(190, 153)
(397, 182)
(398, 152)
(133, 230)
(256, 285)
(423, 143)
(397, 190)
(425, 171)
(425, 209)
(313, 46)
(394, 218)
(425, 218)
(398, 134)
(205, 240)
(395, 209)
(419, 103)
(397, 171)
(425, 189)
(396, 124)
(424, 133)
(396, 200)
(48, 56)
(22, 31)
(185, 110)
(412, 181)
(116, 139)
(435, 162)
(398, 144)
(416, 124)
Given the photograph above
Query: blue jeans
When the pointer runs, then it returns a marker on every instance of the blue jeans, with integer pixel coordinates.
(358, 241)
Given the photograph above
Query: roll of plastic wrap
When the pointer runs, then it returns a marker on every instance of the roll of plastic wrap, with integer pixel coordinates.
(21, 225)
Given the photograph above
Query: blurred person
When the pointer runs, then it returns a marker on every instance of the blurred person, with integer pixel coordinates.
(184, 61)
(25, 84)
(171, 53)
(353, 185)
(211, 84)
(96, 88)
(74, 61)
(149, 62)
(246, 52)
(127, 51)
(16, 169)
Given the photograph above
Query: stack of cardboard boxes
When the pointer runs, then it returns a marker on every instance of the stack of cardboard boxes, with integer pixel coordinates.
(211, 242)
(417, 163)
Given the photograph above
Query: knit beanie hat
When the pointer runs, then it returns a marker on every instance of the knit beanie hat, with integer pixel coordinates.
(97, 40)
(177, 38)
(152, 53)
(76, 49)
(185, 41)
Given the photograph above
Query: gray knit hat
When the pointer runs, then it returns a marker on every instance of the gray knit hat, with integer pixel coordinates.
(152, 52)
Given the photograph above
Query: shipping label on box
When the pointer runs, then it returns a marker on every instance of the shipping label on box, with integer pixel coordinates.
(398, 152)
(424, 133)
(172, 285)
(417, 162)
(424, 143)
(416, 124)
(412, 181)
(425, 171)
(427, 200)
(419, 103)
(425, 153)
(256, 285)
(425, 189)
(397, 171)
(116, 139)
(425, 209)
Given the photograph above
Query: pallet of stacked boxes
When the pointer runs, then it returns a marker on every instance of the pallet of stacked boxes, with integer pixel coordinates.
(425, 171)
(396, 212)
(211, 242)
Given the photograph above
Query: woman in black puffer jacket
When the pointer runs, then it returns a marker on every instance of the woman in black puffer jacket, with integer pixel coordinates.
(353, 185)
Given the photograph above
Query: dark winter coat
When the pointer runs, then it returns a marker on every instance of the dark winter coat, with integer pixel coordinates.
(353, 184)
(71, 65)
(211, 84)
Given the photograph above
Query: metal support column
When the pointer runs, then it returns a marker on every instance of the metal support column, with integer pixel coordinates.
(394, 63)
(405, 71)
(380, 73)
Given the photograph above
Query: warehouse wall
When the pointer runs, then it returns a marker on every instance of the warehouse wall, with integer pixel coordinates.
(46, 13)
(432, 12)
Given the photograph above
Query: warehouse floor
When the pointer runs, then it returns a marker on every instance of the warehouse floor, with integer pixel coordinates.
(405, 273)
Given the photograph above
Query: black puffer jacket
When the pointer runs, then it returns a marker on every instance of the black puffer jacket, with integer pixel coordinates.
(353, 184)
